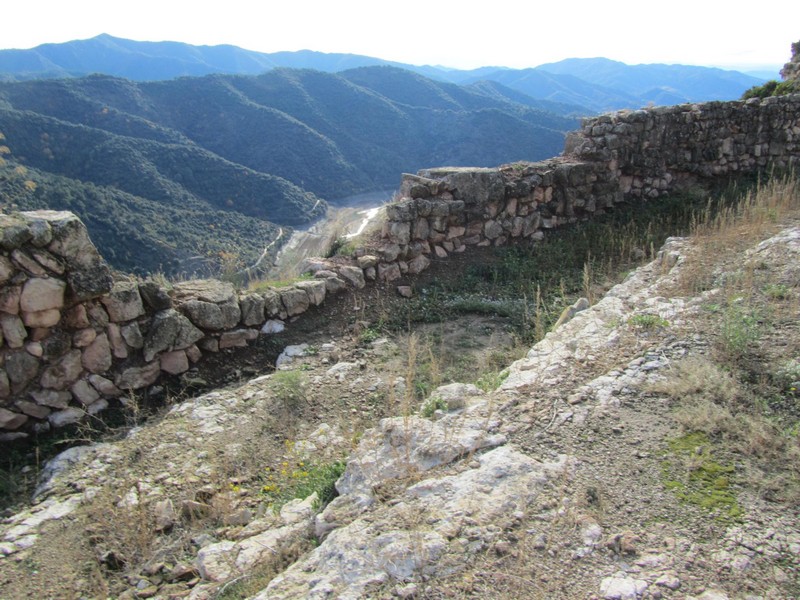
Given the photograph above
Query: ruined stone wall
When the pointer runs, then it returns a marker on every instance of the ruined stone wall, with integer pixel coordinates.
(623, 156)
(73, 339)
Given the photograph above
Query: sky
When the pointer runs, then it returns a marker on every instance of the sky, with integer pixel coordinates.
(458, 34)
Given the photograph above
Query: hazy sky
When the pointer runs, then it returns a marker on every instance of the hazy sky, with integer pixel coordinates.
(460, 34)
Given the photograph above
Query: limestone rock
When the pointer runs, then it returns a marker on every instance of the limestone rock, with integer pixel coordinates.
(418, 264)
(132, 335)
(209, 304)
(504, 482)
(252, 306)
(6, 269)
(352, 275)
(65, 417)
(164, 515)
(237, 338)
(14, 231)
(21, 368)
(52, 398)
(11, 420)
(272, 304)
(207, 315)
(32, 409)
(273, 326)
(40, 294)
(399, 446)
(224, 560)
(175, 362)
(137, 377)
(104, 386)
(84, 393)
(169, 330)
(64, 372)
(9, 299)
(315, 289)
(83, 337)
(622, 588)
(96, 357)
(367, 261)
(333, 284)
(388, 271)
(88, 275)
(154, 295)
(5, 385)
(14, 331)
(123, 302)
(295, 301)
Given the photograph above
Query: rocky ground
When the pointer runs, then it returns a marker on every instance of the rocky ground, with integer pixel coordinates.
(617, 459)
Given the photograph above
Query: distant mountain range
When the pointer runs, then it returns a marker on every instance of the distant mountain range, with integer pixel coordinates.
(595, 84)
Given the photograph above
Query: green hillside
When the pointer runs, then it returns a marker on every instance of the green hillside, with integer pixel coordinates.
(273, 147)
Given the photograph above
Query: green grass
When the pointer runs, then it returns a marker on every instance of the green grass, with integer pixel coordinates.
(695, 476)
(300, 479)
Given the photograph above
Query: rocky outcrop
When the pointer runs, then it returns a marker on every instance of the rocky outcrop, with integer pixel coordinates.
(552, 485)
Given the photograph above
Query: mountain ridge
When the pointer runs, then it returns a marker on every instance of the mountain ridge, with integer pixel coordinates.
(143, 61)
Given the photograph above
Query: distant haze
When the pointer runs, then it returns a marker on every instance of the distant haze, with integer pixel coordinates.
(448, 33)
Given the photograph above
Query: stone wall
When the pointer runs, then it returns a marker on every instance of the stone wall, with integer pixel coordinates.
(73, 339)
(623, 156)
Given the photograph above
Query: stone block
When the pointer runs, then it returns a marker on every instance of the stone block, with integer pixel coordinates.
(68, 416)
(14, 331)
(252, 308)
(9, 299)
(105, 386)
(32, 409)
(316, 289)
(175, 362)
(64, 372)
(123, 302)
(11, 420)
(388, 271)
(418, 264)
(169, 330)
(42, 318)
(132, 335)
(21, 368)
(235, 339)
(84, 393)
(352, 275)
(96, 357)
(52, 398)
(295, 301)
(137, 377)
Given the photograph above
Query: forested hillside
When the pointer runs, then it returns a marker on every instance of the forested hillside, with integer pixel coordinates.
(274, 147)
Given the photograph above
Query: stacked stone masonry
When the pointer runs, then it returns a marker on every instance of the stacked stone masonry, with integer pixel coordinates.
(73, 339)
(624, 156)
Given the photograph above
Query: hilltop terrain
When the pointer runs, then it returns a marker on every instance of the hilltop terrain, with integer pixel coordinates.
(266, 151)
(645, 448)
